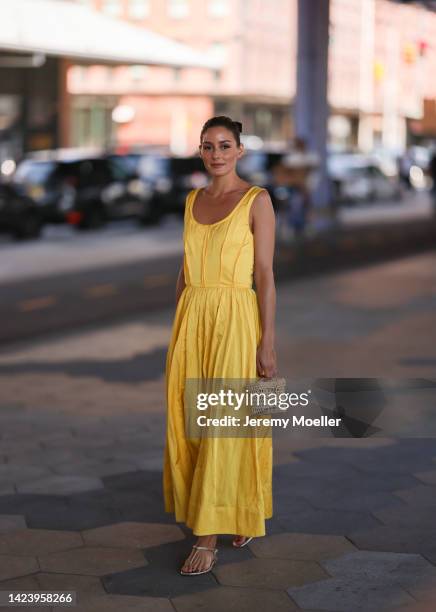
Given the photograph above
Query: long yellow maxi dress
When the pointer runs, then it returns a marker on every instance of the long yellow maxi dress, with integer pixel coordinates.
(216, 485)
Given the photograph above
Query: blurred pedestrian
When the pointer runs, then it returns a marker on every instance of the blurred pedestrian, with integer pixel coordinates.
(432, 172)
(299, 164)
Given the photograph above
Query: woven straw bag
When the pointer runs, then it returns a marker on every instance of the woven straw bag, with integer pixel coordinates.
(265, 387)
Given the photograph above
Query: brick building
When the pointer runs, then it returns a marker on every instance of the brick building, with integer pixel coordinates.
(381, 58)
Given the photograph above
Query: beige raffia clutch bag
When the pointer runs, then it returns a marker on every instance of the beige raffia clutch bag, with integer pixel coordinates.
(265, 402)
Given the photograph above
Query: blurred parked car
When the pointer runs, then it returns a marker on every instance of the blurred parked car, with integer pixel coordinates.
(85, 191)
(256, 166)
(415, 164)
(358, 178)
(168, 178)
(19, 214)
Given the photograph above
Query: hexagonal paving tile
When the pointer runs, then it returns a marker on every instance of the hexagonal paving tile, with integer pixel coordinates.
(133, 535)
(416, 607)
(425, 592)
(27, 608)
(234, 599)
(96, 469)
(408, 570)
(422, 495)
(404, 515)
(342, 595)
(76, 515)
(429, 477)
(11, 522)
(86, 587)
(38, 542)
(7, 490)
(13, 566)
(326, 522)
(391, 538)
(161, 577)
(151, 463)
(356, 501)
(10, 474)
(302, 546)
(122, 603)
(24, 583)
(60, 485)
(269, 573)
(92, 561)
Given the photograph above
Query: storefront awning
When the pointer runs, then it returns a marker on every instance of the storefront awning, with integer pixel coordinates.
(66, 29)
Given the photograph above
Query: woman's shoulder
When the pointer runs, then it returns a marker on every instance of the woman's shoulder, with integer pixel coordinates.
(261, 193)
(261, 201)
(256, 192)
(259, 188)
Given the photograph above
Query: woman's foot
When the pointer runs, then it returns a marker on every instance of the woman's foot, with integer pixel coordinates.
(200, 560)
(240, 541)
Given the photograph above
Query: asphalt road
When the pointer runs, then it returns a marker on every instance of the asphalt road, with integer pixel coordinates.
(66, 279)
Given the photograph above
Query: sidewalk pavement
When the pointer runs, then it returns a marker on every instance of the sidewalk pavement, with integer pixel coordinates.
(82, 421)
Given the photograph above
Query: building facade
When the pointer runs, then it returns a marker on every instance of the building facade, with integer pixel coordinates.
(381, 58)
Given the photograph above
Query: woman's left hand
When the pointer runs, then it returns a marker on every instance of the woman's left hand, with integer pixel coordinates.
(266, 360)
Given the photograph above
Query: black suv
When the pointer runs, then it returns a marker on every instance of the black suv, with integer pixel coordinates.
(19, 214)
(83, 191)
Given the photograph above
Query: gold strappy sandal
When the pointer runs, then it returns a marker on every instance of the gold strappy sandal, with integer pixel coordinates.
(242, 545)
(214, 560)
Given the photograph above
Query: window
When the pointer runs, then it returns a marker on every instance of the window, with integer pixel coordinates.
(109, 73)
(218, 51)
(112, 7)
(219, 8)
(118, 169)
(178, 8)
(92, 125)
(33, 172)
(79, 72)
(138, 72)
(139, 9)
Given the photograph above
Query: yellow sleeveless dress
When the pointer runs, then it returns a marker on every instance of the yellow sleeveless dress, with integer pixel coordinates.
(216, 485)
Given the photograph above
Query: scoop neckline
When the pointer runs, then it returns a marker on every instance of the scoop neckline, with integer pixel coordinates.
(221, 220)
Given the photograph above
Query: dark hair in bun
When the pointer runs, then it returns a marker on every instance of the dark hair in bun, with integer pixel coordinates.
(221, 120)
(238, 125)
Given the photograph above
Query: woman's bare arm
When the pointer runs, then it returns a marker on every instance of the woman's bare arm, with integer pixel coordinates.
(180, 284)
(264, 241)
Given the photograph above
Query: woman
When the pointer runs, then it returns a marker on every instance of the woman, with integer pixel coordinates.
(221, 328)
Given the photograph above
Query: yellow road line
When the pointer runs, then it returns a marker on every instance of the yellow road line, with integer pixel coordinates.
(37, 303)
(348, 242)
(101, 290)
(319, 250)
(375, 238)
(156, 280)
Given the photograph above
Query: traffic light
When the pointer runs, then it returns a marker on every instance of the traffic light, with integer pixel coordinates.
(409, 53)
(379, 70)
(422, 47)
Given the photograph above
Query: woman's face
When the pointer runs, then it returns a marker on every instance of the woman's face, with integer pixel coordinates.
(219, 150)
